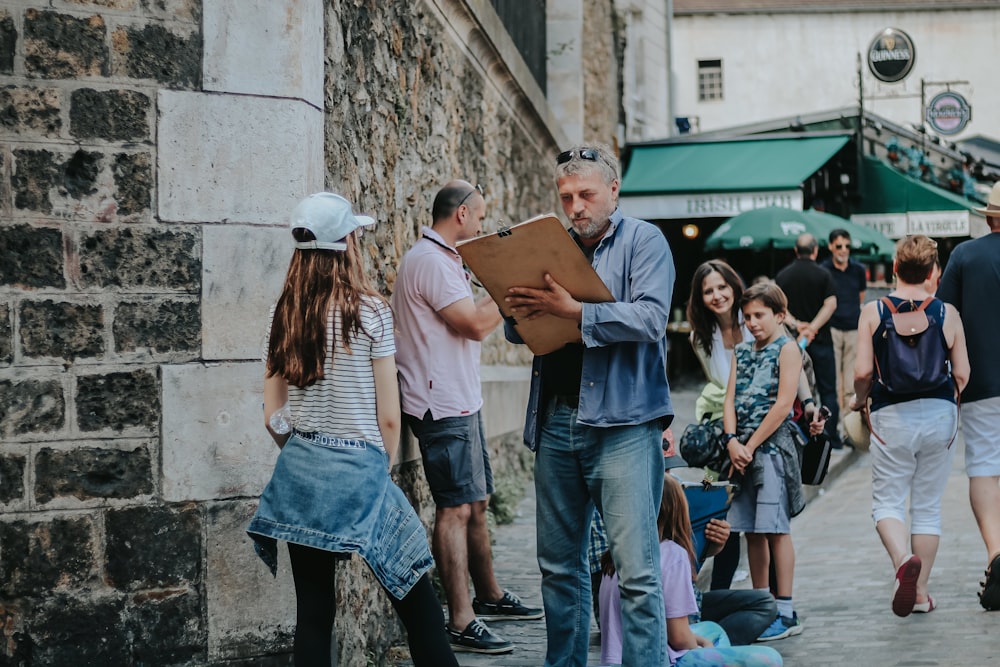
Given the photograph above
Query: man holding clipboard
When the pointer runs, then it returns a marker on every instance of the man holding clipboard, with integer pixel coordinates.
(596, 413)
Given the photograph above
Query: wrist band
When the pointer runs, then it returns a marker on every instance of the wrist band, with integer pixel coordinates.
(807, 400)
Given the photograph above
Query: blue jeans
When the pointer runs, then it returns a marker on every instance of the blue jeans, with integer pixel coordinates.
(620, 469)
(743, 614)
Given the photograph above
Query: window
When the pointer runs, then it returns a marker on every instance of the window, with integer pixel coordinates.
(709, 80)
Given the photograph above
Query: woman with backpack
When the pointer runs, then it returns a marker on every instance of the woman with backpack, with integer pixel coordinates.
(911, 365)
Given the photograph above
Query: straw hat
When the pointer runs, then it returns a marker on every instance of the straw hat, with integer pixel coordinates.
(992, 207)
(856, 430)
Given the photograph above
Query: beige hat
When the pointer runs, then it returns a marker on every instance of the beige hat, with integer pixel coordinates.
(856, 430)
(992, 208)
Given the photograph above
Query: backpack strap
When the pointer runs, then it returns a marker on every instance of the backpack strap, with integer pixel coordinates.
(894, 309)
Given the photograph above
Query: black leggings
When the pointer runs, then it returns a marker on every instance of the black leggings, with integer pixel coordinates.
(316, 606)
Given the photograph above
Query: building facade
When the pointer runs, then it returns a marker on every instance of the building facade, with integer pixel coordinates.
(150, 152)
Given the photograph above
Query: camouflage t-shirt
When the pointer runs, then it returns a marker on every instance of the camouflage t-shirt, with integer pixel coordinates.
(756, 382)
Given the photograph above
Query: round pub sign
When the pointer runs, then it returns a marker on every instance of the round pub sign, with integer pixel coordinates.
(891, 55)
(948, 113)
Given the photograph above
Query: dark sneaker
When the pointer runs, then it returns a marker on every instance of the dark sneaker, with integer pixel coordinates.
(989, 597)
(782, 627)
(477, 638)
(509, 607)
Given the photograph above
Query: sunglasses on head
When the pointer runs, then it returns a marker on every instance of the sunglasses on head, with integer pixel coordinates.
(477, 188)
(583, 153)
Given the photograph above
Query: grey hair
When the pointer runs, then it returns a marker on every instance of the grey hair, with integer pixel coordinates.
(606, 164)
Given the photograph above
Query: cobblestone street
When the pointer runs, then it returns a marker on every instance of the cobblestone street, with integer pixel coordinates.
(843, 583)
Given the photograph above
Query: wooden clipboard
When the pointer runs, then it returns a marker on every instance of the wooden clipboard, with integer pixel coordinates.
(520, 256)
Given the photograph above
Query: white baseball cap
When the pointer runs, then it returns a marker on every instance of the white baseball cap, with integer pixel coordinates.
(330, 218)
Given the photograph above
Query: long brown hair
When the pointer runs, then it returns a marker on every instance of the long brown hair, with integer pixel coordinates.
(317, 281)
(672, 523)
(703, 320)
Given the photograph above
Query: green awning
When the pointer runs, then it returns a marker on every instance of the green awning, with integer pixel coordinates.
(886, 190)
(727, 166)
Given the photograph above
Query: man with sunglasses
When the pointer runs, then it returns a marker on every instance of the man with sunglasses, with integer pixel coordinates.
(439, 326)
(596, 413)
(851, 280)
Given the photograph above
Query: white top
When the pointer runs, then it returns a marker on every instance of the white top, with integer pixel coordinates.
(438, 367)
(342, 403)
(720, 363)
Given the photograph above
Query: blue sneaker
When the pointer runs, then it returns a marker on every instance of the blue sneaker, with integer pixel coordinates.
(782, 627)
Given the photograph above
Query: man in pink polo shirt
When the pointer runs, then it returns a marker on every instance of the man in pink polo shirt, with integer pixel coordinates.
(439, 329)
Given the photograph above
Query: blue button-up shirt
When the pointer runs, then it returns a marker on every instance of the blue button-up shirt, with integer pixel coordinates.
(624, 380)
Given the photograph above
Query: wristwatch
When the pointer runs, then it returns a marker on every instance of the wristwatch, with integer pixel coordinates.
(728, 436)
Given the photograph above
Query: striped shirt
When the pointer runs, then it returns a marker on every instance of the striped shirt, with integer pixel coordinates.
(342, 403)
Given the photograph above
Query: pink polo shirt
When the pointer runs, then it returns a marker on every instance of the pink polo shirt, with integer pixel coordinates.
(438, 367)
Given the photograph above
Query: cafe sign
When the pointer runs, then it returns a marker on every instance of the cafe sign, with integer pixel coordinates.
(891, 55)
(948, 113)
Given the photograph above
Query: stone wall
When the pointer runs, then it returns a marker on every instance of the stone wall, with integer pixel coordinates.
(149, 152)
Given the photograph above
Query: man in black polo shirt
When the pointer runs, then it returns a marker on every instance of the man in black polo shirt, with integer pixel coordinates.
(812, 299)
(851, 280)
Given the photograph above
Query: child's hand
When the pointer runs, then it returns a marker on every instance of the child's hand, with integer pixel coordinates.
(857, 404)
(739, 454)
(817, 424)
(703, 642)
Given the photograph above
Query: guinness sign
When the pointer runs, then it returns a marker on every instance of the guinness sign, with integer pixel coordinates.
(891, 55)
(948, 113)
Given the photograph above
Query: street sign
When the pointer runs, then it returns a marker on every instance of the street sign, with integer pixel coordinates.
(948, 113)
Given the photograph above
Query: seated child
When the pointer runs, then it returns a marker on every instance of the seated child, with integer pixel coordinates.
(703, 644)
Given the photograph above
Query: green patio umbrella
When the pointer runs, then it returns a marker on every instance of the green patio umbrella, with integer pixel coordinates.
(776, 228)
(867, 244)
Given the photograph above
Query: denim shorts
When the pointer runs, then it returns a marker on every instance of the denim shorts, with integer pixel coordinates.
(456, 460)
(764, 509)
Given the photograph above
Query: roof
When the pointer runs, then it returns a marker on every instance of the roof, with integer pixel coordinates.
(687, 7)
(745, 165)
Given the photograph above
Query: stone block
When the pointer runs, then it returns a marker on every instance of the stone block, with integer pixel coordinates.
(242, 275)
(166, 627)
(214, 442)
(6, 340)
(173, 10)
(112, 115)
(157, 326)
(71, 630)
(117, 401)
(141, 258)
(80, 173)
(153, 548)
(133, 174)
(50, 555)
(249, 611)
(29, 111)
(31, 406)
(85, 473)
(152, 51)
(256, 157)
(59, 46)
(61, 330)
(35, 173)
(279, 54)
(505, 398)
(31, 257)
(8, 43)
(11, 478)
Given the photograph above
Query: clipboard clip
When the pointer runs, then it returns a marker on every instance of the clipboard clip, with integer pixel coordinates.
(503, 230)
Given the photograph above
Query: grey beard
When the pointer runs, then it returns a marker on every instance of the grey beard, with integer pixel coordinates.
(589, 230)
